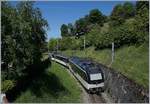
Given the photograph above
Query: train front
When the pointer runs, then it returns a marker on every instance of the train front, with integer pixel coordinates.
(95, 77)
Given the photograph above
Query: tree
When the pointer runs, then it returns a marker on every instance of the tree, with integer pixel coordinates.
(129, 10)
(64, 30)
(117, 15)
(69, 43)
(65, 43)
(52, 44)
(71, 30)
(6, 45)
(122, 12)
(105, 18)
(23, 35)
(142, 4)
(95, 16)
(44, 47)
(81, 27)
(142, 20)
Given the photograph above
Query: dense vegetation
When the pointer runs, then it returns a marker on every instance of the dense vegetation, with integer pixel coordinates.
(23, 36)
(127, 24)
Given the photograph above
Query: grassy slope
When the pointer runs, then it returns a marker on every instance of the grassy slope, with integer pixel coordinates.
(132, 61)
(56, 85)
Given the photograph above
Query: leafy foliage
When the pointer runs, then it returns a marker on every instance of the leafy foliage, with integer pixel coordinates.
(64, 30)
(71, 29)
(96, 17)
(52, 44)
(69, 43)
(127, 24)
(117, 15)
(142, 21)
(129, 10)
(122, 12)
(64, 44)
(23, 35)
(99, 38)
(81, 27)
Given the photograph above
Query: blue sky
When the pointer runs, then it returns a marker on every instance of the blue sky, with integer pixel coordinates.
(64, 12)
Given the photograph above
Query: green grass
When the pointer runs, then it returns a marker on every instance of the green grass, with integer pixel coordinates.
(132, 61)
(54, 85)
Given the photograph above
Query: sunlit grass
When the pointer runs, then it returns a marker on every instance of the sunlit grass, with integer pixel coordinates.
(132, 61)
(54, 86)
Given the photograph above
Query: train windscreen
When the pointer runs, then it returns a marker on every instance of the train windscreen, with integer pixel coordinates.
(95, 76)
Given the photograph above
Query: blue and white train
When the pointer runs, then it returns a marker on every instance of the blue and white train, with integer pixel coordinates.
(86, 71)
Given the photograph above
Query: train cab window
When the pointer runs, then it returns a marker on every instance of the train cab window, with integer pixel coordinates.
(95, 76)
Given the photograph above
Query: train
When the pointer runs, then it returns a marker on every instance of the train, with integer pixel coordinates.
(87, 72)
(59, 58)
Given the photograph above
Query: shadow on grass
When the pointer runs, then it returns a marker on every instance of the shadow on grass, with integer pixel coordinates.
(38, 81)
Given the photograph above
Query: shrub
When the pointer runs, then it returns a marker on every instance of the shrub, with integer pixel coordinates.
(70, 43)
(52, 44)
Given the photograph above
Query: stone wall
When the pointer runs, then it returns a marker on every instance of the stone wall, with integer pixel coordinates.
(122, 89)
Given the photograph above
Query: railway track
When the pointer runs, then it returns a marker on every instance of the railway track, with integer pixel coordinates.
(96, 98)
(92, 98)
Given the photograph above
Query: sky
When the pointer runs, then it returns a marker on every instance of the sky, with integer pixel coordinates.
(63, 12)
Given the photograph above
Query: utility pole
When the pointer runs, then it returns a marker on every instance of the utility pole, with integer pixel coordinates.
(57, 45)
(73, 52)
(84, 44)
(112, 52)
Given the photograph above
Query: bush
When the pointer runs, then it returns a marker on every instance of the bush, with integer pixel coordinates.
(70, 43)
(99, 37)
(52, 44)
(123, 35)
(127, 33)
(65, 43)
(23, 35)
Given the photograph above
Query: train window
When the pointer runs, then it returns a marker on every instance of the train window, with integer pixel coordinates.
(83, 75)
(79, 71)
(73, 67)
(95, 76)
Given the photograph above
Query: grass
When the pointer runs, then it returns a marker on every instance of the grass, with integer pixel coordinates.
(132, 61)
(53, 84)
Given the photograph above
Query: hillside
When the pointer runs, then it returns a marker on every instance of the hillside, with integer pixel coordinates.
(132, 61)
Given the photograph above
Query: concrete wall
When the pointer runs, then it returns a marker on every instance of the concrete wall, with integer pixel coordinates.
(122, 89)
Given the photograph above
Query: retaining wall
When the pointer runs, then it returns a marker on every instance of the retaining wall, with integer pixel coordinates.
(122, 89)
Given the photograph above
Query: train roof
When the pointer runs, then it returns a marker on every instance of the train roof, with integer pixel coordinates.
(60, 55)
(86, 64)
